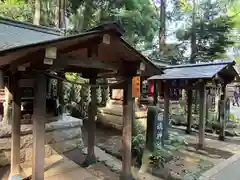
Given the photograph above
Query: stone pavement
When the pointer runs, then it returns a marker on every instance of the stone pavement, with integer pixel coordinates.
(229, 170)
(58, 168)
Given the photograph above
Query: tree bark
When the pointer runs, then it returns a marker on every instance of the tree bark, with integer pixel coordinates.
(162, 29)
(61, 16)
(37, 12)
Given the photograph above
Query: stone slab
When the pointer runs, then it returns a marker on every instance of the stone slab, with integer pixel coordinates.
(64, 122)
(224, 170)
(78, 173)
(59, 168)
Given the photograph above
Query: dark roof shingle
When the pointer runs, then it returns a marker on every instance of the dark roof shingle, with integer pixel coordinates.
(14, 33)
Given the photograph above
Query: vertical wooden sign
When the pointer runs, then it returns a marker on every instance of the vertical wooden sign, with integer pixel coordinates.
(136, 86)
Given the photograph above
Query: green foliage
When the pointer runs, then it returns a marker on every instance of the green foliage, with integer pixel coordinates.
(16, 9)
(138, 141)
(232, 116)
(138, 144)
(160, 156)
(139, 127)
(139, 18)
(212, 32)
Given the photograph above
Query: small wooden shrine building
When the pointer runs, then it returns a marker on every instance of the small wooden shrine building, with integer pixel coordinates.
(197, 77)
(35, 51)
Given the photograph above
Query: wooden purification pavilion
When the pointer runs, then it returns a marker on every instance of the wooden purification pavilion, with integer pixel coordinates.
(197, 77)
(26, 49)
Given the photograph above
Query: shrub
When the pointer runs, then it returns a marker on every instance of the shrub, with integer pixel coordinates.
(139, 127)
(160, 156)
(232, 117)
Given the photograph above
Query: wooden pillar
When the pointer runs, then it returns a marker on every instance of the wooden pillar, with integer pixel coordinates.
(189, 111)
(134, 107)
(217, 98)
(127, 130)
(16, 116)
(155, 88)
(2, 87)
(91, 125)
(60, 95)
(6, 104)
(222, 113)
(166, 111)
(39, 113)
(49, 87)
(202, 111)
(141, 86)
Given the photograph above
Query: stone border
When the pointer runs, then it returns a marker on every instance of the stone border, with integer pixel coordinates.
(115, 164)
(207, 175)
(66, 122)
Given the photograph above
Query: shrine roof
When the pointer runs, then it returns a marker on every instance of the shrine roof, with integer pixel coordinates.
(197, 71)
(23, 42)
(15, 33)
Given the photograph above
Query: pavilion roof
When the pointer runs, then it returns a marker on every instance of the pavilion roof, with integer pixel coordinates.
(198, 71)
(15, 33)
(22, 43)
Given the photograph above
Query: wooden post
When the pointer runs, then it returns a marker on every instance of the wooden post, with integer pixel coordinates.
(166, 111)
(91, 125)
(16, 115)
(222, 113)
(39, 113)
(155, 97)
(202, 111)
(6, 104)
(134, 106)
(141, 86)
(60, 96)
(207, 104)
(2, 87)
(127, 130)
(217, 98)
(189, 111)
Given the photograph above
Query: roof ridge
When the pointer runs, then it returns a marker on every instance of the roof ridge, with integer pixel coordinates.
(108, 25)
(201, 64)
(26, 25)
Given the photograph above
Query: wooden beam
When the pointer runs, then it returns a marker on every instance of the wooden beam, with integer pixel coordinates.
(127, 130)
(39, 113)
(85, 62)
(189, 111)
(202, 111)
(31, 57)
(16, 116)
(80, 45)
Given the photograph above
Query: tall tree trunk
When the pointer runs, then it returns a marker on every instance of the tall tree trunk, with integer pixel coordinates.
(61, 16)
(193, 36)
(37, 12)
(56, 19)
(194, 45)
(162, 30)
